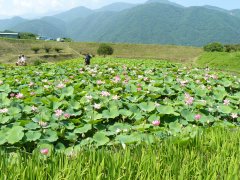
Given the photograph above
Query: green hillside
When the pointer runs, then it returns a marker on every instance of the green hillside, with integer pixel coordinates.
(8, 23)
(154, 22)
(41, 27)
(116, 7)
(157, 23)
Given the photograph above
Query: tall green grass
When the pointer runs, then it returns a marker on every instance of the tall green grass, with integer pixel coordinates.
(221, 60)
(214, 154)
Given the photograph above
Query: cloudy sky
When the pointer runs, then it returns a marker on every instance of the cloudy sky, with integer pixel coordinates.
(34, 8)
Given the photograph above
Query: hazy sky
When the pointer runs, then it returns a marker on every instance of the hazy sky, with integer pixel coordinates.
(33, 8)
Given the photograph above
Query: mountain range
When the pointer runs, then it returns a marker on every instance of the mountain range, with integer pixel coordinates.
(154, 22)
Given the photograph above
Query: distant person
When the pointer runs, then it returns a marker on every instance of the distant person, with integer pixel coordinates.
(21, 61)
(87, 59)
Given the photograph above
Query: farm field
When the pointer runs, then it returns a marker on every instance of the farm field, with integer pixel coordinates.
(122, 107)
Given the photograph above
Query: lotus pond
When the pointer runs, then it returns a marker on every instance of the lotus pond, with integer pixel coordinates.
(68, 106)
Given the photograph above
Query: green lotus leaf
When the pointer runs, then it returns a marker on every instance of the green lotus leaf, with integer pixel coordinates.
(5, 88)
(14, 111)
(67, 91)
(225, 109)
(71, 136)
(32, 126)
(188, 115)
(129, 139)
(100, 138)
(119, 126)
(85, 142)
(112, 113)
(27, 109)
(50, 136)
(59, 147)
(3, 136)
(166, 110)
(83, 129)
(33, 135)
(5, 119)
(141, 127)
(15, 134)
(147, 106)
(175, 127)
(125, 112)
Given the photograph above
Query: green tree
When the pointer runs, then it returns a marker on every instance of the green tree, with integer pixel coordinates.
(105, 49)
(47, 48)
(214, 47)
(35, 49)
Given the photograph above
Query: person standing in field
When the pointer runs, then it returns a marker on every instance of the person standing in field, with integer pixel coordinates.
(87, 59)
(21, 61)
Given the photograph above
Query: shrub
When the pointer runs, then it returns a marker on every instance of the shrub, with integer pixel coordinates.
(35, 49)
(58, 49)
(38, 62)
(214, 47)
(232, 47)
(26, 35)
(47, 49)
(105, 49)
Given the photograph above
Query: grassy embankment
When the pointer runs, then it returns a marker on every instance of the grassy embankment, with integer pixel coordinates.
(221, 60)
(193, 56)
(10, 49)
(212, 155)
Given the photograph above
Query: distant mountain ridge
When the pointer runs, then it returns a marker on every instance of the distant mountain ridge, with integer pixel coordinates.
(154, 22)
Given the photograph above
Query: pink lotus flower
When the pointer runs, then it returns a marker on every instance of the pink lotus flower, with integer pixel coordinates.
(44, 151)
(99, 82)
(105, 93)
(60, 85)
(31, 84)
(67, 116)
(145, 79)
(197, 116)
(117, 78)
(58, 113)
(2, 111)
(42, 123)
(188, 99)
(12, 95)
(97, 106)
(139, 89)
(19, 96)
(156, 123)
(234, 115)
(226, 102)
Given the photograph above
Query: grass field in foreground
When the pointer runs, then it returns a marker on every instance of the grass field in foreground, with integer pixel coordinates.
(213, 154)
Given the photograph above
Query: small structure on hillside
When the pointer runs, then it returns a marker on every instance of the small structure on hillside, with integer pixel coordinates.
(9, 35)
